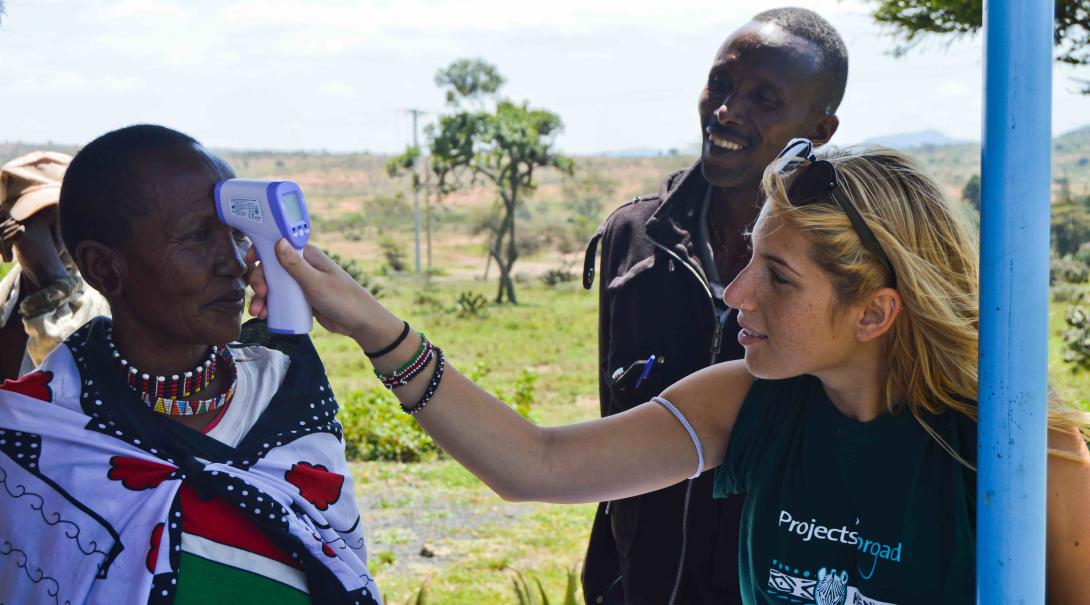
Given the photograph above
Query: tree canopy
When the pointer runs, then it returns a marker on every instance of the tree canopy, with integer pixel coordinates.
(498, 140)
(914, 20)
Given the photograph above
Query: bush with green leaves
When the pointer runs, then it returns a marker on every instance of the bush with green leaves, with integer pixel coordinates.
(1077, 338)
(1068, 269)
(555, 277)
(376, 428)
(472, 304)
(1067, 293)
(1083, 253)
(394, 254)
(521, 395)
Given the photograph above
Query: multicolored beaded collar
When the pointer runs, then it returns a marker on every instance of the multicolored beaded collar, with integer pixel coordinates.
(167, 395)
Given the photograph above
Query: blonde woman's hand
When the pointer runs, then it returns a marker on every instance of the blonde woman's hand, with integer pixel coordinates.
(339, 303)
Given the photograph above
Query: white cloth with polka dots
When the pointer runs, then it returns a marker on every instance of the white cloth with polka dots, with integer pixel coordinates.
(88, 515)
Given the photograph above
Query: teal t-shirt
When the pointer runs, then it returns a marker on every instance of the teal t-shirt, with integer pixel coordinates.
(840, 512)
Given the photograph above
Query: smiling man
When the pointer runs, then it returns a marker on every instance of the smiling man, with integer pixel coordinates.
(665, 261)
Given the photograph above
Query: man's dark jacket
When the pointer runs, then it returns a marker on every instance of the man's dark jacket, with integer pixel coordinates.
(655, 300)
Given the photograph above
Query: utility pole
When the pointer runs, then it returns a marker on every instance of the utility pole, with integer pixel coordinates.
(416, 189)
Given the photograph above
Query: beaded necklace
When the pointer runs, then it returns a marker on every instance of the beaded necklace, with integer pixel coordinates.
(167, 395)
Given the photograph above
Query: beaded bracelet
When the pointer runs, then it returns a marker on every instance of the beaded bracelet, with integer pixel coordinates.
(385, 350)
(402, 379)
(433, 386)
(420, 353)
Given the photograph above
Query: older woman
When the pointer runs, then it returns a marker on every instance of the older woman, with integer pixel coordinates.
(165, 465)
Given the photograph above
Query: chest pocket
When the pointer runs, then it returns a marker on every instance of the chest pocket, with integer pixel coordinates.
(640, 320)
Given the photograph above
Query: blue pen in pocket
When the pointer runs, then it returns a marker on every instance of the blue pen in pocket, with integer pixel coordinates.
(647, 366)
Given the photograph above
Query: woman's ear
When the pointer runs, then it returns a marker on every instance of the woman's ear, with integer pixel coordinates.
(879, 314)
(101, 266)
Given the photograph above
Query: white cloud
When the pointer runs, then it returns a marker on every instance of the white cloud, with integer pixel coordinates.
(953, 88)
(143, 9)
(70, 83)
(337, 89)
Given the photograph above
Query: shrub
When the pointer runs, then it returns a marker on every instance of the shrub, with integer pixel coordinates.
(427, 299)
(352, 268)
(471, 304)
(1067, 293)
(394, 254)
(1083, 254)
(388, 212)
(521, 395)
(1077, 338)
(1068, 269)
(554, 277)
(375, 428)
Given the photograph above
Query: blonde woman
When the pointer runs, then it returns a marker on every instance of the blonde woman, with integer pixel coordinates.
(850, 423)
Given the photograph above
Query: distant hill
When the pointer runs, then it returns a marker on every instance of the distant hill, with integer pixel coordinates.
(639, 152)
(912, 140)
(1076, 141)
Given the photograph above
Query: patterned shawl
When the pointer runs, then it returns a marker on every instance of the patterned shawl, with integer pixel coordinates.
(104, 501)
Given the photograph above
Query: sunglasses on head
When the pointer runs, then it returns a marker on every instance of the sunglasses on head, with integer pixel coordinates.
(811, 181)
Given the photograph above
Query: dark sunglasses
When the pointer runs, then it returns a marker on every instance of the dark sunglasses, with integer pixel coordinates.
(810, 181)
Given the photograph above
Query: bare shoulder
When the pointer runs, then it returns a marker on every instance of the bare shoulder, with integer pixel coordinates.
(1068, 442)
(720, 388)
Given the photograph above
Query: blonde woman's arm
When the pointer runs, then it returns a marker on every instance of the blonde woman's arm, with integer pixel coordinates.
(1068, 538)
(641, 450)
(634, 452)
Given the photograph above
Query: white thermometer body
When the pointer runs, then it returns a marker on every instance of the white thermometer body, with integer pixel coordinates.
(267, 211)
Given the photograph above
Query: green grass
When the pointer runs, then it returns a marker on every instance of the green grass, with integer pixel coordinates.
(1072, 386)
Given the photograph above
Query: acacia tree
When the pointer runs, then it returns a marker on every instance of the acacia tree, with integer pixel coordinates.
(499, 141)
(913, 20)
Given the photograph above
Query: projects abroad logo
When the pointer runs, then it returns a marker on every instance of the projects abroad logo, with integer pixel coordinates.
(809, 530)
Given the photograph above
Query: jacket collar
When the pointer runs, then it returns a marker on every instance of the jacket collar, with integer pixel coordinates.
(674, 225)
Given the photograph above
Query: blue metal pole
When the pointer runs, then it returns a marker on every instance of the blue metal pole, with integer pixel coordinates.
(1015, 182)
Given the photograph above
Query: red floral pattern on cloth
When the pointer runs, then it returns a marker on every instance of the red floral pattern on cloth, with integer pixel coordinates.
(153, 550)
(315, 483)
(34, 384)
(137, 474)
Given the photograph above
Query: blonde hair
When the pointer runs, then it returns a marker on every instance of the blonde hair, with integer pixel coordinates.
(932, 347)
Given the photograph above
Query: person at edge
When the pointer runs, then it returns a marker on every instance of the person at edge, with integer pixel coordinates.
(214, 473)
(665, 259)
(43, 298)
(849, 424)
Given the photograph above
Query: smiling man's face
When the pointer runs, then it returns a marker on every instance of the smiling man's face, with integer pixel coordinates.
(765, 87)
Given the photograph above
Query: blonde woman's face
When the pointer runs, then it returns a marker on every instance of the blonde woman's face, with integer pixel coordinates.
(786, 307)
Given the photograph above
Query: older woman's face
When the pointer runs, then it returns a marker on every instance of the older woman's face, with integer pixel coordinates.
(185, 276)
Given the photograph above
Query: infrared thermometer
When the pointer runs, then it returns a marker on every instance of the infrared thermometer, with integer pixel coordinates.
(267, 211)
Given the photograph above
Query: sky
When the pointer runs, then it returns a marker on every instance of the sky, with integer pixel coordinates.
(340, 75)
